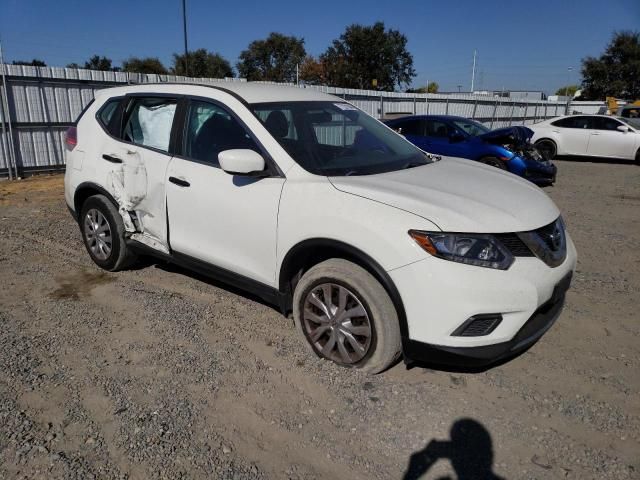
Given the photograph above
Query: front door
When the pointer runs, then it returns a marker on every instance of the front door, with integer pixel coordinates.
(607, 141)
(225, 220)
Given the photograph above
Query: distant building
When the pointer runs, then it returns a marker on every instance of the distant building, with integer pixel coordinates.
(514, 94)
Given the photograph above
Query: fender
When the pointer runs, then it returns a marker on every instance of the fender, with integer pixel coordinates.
(324, 248)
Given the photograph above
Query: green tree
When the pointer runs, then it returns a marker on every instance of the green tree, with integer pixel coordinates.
(144, 65)
(33, 63)
(73, 65)
(364, 54)
(432, 87)
(616, 72)
(99, 63)
(274, 58)
(202, 64)
(568, 91)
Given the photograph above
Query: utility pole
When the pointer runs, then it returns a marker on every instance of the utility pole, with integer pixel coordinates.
(297, 75)
(473, 70)
(184, 28)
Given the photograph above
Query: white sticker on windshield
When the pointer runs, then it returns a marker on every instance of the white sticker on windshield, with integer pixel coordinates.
(345, 106)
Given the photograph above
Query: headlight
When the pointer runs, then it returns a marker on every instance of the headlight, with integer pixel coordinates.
(472, 249)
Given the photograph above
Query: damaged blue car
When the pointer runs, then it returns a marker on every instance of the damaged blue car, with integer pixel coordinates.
(505, 148)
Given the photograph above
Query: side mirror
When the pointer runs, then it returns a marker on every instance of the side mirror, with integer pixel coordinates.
(242, 162)
(623, 128)
(456, 137)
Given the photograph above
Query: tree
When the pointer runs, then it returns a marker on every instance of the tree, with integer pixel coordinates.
(33, 63)
(312, 71)
(144, 65)
(274, 58)
(615, 72)
(432, 87)
(73, 65)
(99, 63)
(363, 54)
(202, 64)
(568, 91)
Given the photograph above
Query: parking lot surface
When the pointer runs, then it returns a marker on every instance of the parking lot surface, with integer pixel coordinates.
(158, 373)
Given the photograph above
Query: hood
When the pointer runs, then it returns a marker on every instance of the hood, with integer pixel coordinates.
(458, 196)
(509, 135)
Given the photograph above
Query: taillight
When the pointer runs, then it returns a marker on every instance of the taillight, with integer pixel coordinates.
(71, 138)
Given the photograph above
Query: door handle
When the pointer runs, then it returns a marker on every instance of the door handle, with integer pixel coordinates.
(112, 158)
(180, 182)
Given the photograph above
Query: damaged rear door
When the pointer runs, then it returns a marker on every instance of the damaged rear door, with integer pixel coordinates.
(140, 162)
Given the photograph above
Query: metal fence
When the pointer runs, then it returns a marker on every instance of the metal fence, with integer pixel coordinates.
(40, 103)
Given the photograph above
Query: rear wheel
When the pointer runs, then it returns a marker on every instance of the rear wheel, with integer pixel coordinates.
(547, 148)
(638, 157)
(103, 234)
(494, 162)
(346, 316)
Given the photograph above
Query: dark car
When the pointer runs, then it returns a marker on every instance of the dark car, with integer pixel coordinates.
(505, 148)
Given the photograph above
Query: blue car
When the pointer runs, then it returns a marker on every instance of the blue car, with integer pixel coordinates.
(505, 148)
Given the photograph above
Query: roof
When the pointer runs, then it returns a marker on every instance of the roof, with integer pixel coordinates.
(250, 92)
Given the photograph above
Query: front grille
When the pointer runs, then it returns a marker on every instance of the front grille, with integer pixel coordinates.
(478, 325)
(516, 246)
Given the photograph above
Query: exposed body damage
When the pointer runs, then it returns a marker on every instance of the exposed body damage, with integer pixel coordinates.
(130, 189)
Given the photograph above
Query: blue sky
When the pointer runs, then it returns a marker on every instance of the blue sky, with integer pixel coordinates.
(521, 45)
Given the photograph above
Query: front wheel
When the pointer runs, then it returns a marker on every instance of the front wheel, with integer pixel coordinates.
(346, 316)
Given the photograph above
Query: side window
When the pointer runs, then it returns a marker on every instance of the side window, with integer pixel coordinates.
(410, 127)
(149, 121)
(602, 123)
(107, 110)
(573, 122)
(211, 130)
(435, 128)
(333, 129)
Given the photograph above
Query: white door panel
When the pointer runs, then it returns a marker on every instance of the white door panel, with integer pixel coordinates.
(574, 141)
(612, 143)
(225, 220)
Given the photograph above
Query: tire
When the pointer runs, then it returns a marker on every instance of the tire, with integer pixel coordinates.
(638, 157)
(494, 162)
(103, 232)
(547, 148)
(373, 325)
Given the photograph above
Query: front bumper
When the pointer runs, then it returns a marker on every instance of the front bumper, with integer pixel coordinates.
(540, 173)
(439, 296)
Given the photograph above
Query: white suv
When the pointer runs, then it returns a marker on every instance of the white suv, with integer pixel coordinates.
(377, 248)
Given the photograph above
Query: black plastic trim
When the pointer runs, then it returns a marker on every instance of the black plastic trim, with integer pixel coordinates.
(90, 186)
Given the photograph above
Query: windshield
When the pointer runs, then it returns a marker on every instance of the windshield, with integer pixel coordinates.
(634, 122)
(470, 127)
(337, 139)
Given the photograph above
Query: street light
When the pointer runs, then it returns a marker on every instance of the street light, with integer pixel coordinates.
(184, 28)
(566, 89)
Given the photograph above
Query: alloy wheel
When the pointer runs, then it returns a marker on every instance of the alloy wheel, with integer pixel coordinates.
(97, 232)
(337, 324)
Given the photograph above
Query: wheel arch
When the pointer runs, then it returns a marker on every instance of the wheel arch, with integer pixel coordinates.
(86, 190)
(307, 253)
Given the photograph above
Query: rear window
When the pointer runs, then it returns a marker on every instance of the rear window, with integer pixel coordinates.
(573, 122)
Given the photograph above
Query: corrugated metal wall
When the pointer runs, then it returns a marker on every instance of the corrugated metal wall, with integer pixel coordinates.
(44, 101)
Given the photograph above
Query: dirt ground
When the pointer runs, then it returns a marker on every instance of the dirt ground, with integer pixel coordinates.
(157, 373)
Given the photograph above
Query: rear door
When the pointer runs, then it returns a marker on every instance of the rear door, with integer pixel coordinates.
(607, 141)
(413, 130)
(139, 159)
(575, 133)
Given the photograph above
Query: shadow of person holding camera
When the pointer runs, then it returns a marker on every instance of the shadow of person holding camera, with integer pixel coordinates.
(470, 452)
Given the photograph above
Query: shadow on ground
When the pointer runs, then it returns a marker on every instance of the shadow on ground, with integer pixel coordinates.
(470, 452)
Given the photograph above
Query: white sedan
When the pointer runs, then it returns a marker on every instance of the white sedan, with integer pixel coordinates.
(588, 135)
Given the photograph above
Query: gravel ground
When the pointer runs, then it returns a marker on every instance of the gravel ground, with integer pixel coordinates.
(158, 373)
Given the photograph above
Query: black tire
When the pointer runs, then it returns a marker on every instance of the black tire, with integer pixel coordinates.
(638, 157)
(494, 162)
(119, 256)
(547, 148)
(383, 345)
